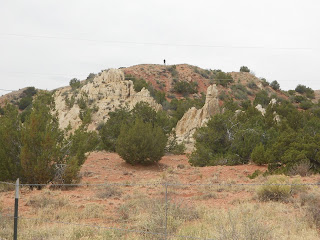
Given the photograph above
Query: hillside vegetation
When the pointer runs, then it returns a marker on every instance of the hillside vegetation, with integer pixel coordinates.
(118, 110)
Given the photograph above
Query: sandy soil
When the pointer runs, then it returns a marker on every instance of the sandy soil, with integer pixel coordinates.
(103, 167)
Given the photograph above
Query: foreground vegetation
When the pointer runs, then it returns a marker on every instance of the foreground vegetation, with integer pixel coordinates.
(52, 214)
(33, 149)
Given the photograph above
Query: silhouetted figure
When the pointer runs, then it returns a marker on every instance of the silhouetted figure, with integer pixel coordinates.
(164, 61)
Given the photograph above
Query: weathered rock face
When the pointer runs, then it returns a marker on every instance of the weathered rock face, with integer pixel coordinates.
(105, 93)
(261, 109)
(195, 118)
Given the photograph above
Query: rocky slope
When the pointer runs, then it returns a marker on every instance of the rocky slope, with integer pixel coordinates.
(106, 92)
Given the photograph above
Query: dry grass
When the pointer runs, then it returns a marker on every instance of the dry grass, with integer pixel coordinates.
(277, 190)
(6, 187)
(140, 210)
(108, 192)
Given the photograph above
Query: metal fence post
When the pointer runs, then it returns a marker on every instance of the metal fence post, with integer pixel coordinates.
(16, 204)
(166, 211)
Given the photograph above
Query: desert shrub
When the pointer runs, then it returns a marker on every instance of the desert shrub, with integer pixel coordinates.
(264, 82)
(41, 138)
(85, 116)
(228, 138)
(274, 190)
(255, 174)
(159, 96)
(90, 77)
(223, 78)
(74, 83)
(306, 105)
(141, 143)
(310, 95)
(258, 155)
(302, 168)
(292, 148)
(110, 131)
(10, 144)
(82, 102)
(292, 92)
(81, 142)
(173, 146)
(245, 104)
(25, 102)
(275, 85)
(252, 85)
(279, 188)
(240, 92)
(30, 91)
(70, 102)
(262, 98)
(244, 69)
(138, 84)
(185, 88)
(205, 73)
(46, 199)
(142, 110)
(299, 98)
(173, 70)
(33, 150)
(302, 89)
(222, 95)
(311, 203)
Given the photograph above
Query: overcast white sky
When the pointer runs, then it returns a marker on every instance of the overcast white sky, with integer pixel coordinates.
(46, 43)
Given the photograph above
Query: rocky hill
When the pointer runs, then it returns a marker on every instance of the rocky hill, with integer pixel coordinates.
(91, 100)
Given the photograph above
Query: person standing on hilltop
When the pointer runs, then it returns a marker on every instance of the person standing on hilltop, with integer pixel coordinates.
(164, 61)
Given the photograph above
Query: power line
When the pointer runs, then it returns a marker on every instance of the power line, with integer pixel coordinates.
(7, 90)
(154, 43)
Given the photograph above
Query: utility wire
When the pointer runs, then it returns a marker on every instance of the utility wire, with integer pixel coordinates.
(163, 183)
(153, 43)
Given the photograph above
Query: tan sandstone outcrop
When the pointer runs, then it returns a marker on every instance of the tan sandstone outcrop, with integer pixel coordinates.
(195, 118)
(106, 92)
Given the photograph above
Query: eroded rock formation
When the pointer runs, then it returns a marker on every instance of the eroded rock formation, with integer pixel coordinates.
(195, 118)
(106, 92)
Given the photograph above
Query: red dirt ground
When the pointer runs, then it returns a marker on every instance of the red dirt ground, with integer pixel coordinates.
(103, 167)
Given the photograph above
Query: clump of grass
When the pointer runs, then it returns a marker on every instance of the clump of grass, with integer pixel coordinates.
(109, 192)
(92, 210)
(149, 215)
(279, 188)
(255, 174)
(6, 187)
(47, 199)
(311, 203)
(303, 169)
(207, 196)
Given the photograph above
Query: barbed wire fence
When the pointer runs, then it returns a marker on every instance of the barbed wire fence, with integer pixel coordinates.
(166, 189)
